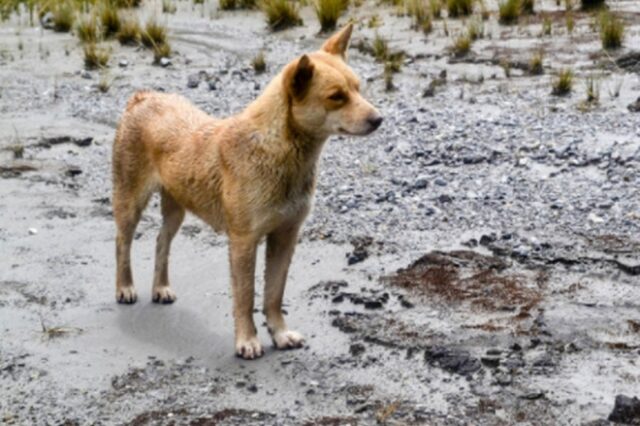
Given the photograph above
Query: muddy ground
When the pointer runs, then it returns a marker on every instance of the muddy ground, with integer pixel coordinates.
(475, 261)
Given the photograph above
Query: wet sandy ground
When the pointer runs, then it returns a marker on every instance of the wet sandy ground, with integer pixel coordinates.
(471, 313)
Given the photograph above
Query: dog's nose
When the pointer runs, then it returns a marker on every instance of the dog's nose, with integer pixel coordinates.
(375, 121)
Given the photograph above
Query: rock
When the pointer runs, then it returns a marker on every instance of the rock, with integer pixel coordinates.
(47, 21)
(420, 183)
(33, 231)
(356, 349)
(165, 62)
(626, 410)
(73, 171)
(253, 388)
(212, 85)
(123, 63)
(193, 81)
(634, 106)
(86, 75)
(452, 360)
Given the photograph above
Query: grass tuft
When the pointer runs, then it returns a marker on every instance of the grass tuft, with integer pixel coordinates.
(259, 64)
(509, 12)
(461, 45)
(420, 15)
(527, 7)
(536, 63)
(593, 90)
(168, 7)
(380, 48)
(237, 4)
(87, 29)
(547, 25)
(281, 14)
(63, 17)
(592, 4)
(109, 20)
(611, 31)
(129, 33)
(435, 8)
(154, 34)
(162, 50)
(457, 8)
(328, 12)
(95, 56)
(563, 83)
(475, 29)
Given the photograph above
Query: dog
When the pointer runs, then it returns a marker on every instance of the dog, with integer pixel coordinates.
(251, 176)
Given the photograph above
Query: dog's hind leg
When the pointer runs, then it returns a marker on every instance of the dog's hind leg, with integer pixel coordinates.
(127, 210)
(280, 246)
(172, 217)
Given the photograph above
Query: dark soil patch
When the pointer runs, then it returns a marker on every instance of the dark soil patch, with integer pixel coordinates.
(467, 276)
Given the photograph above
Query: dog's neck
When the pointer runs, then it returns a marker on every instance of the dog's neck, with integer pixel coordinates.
(283, 136)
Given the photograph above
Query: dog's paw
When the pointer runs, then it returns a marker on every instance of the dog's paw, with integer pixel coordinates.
(287, 339)
(249, 348)
(163, 295)
(126, 295)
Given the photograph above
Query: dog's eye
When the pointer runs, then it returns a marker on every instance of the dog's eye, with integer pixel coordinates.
(338, 97)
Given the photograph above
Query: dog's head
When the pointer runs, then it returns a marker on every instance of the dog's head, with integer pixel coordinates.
(325, 93)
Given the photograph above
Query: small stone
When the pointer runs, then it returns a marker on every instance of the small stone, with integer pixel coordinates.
(165, 62)
(253, 388)
(356, 349)
(33, 231)
(86, 75)
(123, 63)
(193, 81)
(634, 106)
(212, 85)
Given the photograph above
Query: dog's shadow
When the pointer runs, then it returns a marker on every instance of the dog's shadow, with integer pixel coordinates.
(176, 330)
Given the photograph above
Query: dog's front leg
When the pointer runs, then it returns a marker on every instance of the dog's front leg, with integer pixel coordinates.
(242, 253)
(280, 246)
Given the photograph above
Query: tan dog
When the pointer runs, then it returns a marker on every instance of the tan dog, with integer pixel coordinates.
(251, 175)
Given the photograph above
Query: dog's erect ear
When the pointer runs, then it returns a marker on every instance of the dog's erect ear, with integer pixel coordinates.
(298, 78)
(339, 42)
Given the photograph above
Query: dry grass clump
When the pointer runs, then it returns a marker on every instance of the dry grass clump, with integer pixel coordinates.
(125, 3)
(328, 12)
(563, 83)
(96, 56)
(168, 7)
(154, 34)
(435, 7)
(259, 64)
(527, 7)
(593, 90)
(87, 29)
(160, 51)
(420, 14)
(457, 8)
(281, 14)
(129, 33)
(63, 17)
(509, 12)
(109, 20)
(461, 45)
(592, 4)
(475, 29)
(547, 26)
(611, 31)
(536, 63)
(237, 4)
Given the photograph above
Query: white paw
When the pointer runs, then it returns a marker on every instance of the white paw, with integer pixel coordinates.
(249, 348)
(126, 295)
(287, 339)
(163, 295)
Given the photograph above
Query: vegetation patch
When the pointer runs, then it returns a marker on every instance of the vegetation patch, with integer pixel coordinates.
(281, 14)
(611, 31)
(328, 12)
(563, 83)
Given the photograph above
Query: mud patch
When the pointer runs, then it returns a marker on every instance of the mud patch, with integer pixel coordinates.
(464, 276)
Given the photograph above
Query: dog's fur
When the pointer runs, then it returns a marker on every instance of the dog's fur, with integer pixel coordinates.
(251, 175)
